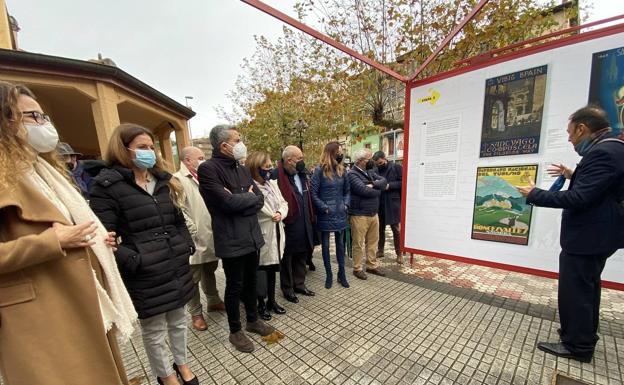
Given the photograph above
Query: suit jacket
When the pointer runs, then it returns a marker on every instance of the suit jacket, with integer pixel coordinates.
(298, 223)
(390, 201)
(593, 211)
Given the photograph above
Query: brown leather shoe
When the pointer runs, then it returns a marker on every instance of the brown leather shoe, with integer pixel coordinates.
(376, 272)
(217, 307)
(399, 259)
(360, 274)
(199, 323)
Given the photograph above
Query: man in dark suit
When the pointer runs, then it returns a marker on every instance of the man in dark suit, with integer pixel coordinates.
(298, 229)
(389, 204)
(592, 229)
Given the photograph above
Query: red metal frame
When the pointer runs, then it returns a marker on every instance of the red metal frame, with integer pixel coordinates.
(450, 37)
(328, 40)
(324, 38)
(607, 31)
(411, 83)
(491, 53)
(406, 118)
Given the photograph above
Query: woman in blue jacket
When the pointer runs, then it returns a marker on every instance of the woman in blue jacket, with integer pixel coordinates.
(330, 194)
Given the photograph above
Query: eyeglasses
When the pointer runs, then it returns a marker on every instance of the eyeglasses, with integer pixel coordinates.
(37, 116)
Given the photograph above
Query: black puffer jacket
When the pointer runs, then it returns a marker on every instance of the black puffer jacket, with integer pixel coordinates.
(224, 185)
(153, 255)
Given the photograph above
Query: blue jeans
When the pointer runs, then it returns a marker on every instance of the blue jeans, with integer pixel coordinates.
(340, 252)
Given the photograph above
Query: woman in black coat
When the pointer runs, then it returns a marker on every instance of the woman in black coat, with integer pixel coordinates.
(135, 197)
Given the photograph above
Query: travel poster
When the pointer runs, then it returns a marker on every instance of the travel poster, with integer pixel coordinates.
(606, 87)
(512, 114)
(501, 213)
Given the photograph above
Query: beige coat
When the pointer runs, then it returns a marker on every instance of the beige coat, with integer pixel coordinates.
(51, 328)
(198, 218)
(269, 253)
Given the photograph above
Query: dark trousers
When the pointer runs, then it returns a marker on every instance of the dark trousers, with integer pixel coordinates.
(268, 291)
(240, 284)
(340, 252)
(579, 300)
(293, 271)
(396, 235)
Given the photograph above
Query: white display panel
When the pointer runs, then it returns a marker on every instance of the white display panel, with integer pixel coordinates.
(442, 161)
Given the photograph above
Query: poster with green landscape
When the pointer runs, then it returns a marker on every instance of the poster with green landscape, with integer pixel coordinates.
(501, 213)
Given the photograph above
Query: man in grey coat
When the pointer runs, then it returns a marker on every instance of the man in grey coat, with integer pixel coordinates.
(204, 263)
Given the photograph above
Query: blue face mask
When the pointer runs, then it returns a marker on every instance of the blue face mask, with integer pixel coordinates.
(582, 148)
(144, 159)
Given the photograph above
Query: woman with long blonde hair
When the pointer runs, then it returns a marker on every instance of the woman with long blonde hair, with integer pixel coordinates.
(136, 197)
(330, 194)
(62, 300)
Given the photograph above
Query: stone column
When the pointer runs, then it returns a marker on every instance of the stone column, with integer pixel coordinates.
(105, 114)
(166, 149)
(5, 29)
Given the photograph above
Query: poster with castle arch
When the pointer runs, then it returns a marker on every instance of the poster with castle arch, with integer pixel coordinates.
(501, 213)
(512, 114)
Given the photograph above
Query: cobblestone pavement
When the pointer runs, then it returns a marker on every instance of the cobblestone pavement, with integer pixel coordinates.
(402, 329)
(531, 294)
(505, 284)
(407, 328)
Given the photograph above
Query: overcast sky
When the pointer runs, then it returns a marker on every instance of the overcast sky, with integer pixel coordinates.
(195, 50)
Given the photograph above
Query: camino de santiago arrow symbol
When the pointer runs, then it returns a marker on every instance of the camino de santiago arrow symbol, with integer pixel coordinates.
(431, 98)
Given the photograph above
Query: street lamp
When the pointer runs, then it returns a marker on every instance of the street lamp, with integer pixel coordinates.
(186, 101)
(301, 126)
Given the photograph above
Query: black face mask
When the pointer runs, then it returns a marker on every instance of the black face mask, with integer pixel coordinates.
(265, 174)
(370, 164)
(339, 158)
(70, 166)
(382, 167)
(300, 166)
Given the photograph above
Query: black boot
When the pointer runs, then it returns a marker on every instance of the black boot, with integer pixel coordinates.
(342, 276)
(262, 310)
(275, 308)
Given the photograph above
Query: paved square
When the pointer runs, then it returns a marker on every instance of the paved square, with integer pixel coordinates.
(389, 331)
(434, 322)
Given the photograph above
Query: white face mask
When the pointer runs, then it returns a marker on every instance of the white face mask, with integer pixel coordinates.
(42, 137)
(239, 150)
(196, 166)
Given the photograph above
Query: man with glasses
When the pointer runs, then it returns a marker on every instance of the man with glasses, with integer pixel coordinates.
(298, 224)
(592, 228)
(366, 187)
